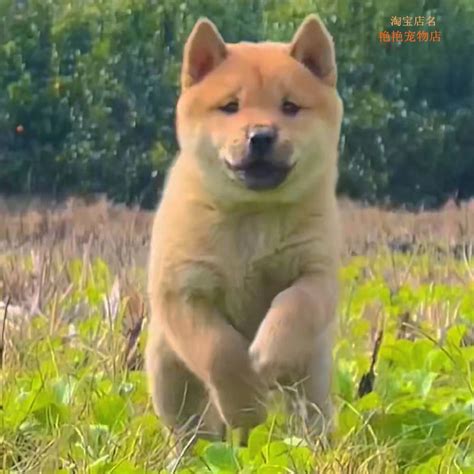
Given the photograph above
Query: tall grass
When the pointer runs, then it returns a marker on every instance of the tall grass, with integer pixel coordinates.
(73, 321)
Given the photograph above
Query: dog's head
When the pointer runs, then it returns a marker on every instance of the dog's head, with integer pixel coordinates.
(262, 119)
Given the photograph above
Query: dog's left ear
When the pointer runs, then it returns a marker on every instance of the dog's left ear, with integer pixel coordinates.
(313, 46)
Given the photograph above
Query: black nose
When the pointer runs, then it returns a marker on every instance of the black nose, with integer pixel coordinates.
(261, 140)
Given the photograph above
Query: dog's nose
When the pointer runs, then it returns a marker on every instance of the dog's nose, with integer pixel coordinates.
(261, 140)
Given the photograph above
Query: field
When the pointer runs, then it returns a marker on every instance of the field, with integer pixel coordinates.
(73, 322)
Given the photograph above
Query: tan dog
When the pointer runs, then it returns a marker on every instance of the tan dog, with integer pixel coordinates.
(245, 247)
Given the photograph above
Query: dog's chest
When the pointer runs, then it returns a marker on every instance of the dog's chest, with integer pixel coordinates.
(258, 261)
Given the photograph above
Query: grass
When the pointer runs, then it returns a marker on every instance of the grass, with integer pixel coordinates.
(72, 329)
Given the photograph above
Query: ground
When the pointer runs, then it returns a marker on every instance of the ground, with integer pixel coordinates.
(72, 328)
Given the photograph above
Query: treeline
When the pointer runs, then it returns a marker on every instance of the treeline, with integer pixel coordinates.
(88, 88)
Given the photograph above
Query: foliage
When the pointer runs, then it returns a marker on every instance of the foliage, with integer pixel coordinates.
(87, 93)
(74, 401)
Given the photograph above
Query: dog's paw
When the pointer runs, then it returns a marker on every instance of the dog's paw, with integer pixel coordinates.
(262, 364)
(276, 361)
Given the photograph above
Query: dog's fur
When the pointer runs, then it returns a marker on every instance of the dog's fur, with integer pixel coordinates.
(243, 281)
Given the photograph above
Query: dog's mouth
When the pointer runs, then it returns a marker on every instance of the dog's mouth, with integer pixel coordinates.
(260, 174)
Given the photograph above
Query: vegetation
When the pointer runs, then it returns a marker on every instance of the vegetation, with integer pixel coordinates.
(74, 397)
(88, 89)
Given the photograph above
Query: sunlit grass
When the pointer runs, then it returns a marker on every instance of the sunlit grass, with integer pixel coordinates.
(74, 396)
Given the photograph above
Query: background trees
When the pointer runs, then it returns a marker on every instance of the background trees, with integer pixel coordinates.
(87, 93)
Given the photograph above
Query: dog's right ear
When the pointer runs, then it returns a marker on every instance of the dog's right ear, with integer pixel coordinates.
(203, 51)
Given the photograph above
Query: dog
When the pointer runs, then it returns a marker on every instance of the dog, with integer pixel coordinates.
(244, 257)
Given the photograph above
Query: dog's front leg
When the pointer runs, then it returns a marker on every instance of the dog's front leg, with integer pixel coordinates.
(218, 356)
(287, 339)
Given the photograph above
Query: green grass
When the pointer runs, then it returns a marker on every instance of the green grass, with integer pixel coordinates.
(74, 397)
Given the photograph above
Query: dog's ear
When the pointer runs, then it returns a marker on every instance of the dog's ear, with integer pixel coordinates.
(313, 46)
(203, 51)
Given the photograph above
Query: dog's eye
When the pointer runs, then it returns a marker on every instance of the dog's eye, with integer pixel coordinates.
(290, 108)
(231, 107)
